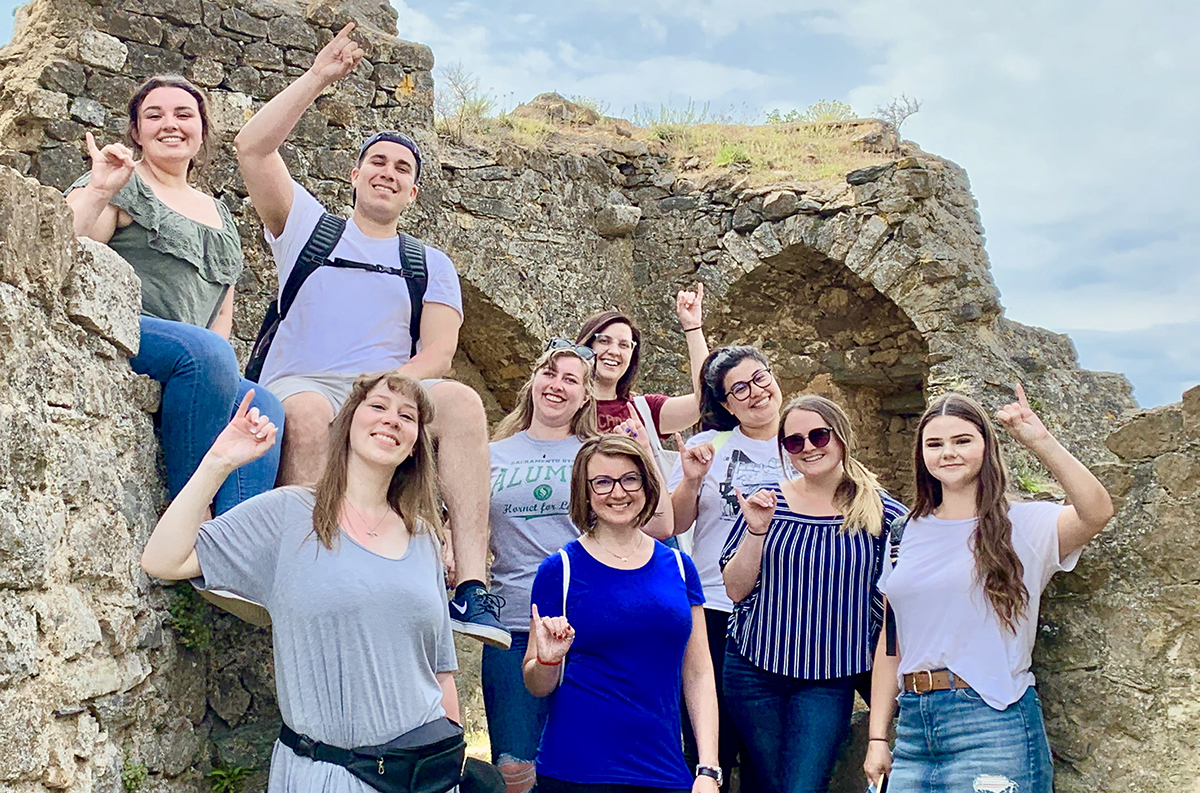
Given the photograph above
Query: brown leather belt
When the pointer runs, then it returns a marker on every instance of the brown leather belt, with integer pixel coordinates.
(937, 680)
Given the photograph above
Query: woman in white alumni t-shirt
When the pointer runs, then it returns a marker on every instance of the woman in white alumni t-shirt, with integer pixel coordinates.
(965, 589)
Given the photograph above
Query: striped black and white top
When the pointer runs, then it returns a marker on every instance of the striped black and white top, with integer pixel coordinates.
(814, 612)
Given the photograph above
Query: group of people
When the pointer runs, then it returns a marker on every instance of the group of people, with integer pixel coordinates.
(342, 503)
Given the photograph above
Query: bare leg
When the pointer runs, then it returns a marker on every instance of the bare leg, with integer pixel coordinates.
(306, 441)
(464, 473)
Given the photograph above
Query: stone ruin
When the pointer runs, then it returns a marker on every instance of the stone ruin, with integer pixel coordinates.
(873, 289)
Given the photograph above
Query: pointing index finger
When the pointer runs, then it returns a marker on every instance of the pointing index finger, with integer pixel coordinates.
(244, 407)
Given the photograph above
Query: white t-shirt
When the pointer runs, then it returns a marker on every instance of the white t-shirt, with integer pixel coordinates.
(345, 320)
(944, 619)
(741, 462)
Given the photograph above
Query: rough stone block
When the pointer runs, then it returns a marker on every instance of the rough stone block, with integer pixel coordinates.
(184, 12)
(239, 21)
(262, 55)
(289, 31)
(133, 27)
(63, 76)
(46, 104)
(1178, 473)
(778, 205)
(66, 622)
(1148, 434)
(243, 80)
(23, 723)
(916, 182)
(104, 296)
(88, 111)
(58, 166)
(112, 90)
(230, 110)
(100, 49)
(206, 72)
(618, 220)
(144, 59)
(18, 640)
(1191, 411)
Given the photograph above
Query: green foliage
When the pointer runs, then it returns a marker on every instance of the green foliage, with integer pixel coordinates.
(133, 775)
(189, 618)
(599, 106)
(1027, 476)
(732, 153)
(460, 106)
(824, 110)
(228, 778)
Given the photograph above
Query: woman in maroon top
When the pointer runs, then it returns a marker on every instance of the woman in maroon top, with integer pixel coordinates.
(616, 339)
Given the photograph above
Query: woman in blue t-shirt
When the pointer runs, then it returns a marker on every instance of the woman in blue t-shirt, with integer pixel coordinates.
(800, 566)
(529, 517)
(629, 610)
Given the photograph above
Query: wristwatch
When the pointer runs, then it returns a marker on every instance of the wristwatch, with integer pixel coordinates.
(713, 771)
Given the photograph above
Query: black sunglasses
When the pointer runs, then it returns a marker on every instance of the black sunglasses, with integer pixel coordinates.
(559, 343)
(819, 438)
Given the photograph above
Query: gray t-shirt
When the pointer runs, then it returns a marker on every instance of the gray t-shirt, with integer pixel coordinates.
(529, 515)
(358, 638)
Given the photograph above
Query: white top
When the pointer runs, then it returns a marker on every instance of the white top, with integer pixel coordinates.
(344, 320)
(944, 619)
(741, 462)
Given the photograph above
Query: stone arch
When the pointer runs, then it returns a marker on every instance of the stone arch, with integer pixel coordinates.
(495, 350)
(830, 332)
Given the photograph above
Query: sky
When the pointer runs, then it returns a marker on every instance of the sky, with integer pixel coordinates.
(1077, 123)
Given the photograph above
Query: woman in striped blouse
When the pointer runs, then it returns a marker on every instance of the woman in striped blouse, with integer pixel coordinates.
(800, 566)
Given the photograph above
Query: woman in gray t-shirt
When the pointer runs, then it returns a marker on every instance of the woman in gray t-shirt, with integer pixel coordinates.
(350, 573)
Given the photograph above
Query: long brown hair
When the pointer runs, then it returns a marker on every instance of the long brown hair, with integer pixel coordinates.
(613, 446)
(583, 423)
(412, 493)
(596, 324)
(857, 495)
(998, 569)
(169, 81)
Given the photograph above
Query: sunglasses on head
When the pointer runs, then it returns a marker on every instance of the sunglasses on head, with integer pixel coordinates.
(559, 343)
(819, 438)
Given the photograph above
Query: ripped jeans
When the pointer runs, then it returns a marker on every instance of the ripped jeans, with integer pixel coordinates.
(954, 741)
(515, 717)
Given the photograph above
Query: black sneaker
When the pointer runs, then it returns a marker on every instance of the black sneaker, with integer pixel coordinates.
(476, 613)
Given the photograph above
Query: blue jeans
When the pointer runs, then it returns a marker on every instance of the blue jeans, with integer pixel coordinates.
(953, 740)
(202, 389)
(792, 728)
(515, 717)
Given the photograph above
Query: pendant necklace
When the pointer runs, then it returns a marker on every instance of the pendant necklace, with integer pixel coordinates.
(625, 559)
(371, 532)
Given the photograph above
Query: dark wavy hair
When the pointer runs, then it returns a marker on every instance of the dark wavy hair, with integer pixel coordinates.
(595, 324)
(169, 81)
(713, 415)
(998, 569)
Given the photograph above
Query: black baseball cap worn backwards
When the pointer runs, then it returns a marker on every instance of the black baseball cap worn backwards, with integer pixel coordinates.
(392, 136)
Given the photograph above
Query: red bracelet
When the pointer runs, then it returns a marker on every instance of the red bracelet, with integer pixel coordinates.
(547, 663)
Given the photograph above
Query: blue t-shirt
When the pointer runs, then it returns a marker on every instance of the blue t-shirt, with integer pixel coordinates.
(614, 720)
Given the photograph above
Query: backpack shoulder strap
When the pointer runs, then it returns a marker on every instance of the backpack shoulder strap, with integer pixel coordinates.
(679, 561)
(566, 560)
(315, 252)
(895, 534)
(416, 276)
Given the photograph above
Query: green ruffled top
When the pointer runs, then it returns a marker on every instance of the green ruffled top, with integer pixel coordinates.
(186, 267)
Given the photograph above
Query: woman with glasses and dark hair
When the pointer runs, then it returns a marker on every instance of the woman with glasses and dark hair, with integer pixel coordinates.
(616, 339)
(185, 248)
(740, 405)
(800, 567)
(616, 625)
(529, 516)
(965, 590)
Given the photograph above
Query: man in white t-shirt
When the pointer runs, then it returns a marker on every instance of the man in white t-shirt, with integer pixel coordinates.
(346, 321)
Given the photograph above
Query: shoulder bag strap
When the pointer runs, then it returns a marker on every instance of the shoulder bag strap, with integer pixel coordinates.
(566, 560)
(679, 561)
(642, 406)
(720, 439)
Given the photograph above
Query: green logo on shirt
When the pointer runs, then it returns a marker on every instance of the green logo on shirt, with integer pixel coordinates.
(543, 492)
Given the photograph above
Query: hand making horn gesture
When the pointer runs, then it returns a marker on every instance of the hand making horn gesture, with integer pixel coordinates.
(689, 308)
(337, 58)
(695, 460)
(246, 437)
(554, 637)
(111, 166)
(633, 429)
(758, 510)
(1021, 422)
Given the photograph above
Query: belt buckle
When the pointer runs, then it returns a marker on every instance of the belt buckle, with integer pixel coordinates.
(305, 746)
(917, 681)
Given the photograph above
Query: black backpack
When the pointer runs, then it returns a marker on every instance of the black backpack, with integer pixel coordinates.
(895, 534)
(316, 254)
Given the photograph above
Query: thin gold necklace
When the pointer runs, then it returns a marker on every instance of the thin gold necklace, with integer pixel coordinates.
(371, 532)
(637, 545)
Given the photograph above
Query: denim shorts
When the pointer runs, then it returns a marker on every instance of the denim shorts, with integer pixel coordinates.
(954, 741)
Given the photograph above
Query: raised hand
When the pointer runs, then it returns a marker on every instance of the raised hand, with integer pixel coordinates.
(554, 637)
(111, 166)
(246, 437)
(1021, 422)
(758, 509)
(337, 58)
(689, 307)
(633, 428)
(695, 460)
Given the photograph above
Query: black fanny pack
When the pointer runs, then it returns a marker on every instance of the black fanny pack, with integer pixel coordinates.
(429, 759)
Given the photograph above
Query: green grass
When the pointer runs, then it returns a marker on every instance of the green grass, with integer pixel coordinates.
(190, 618)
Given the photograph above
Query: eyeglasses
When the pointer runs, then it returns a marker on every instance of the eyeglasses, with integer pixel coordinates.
(819, 438)
(603, 485)
(559, 343)
(741, 389)
(604, 340)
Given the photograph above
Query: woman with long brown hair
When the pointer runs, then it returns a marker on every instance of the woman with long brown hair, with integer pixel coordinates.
(970, 567)
(350, 573)
(800, 566)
